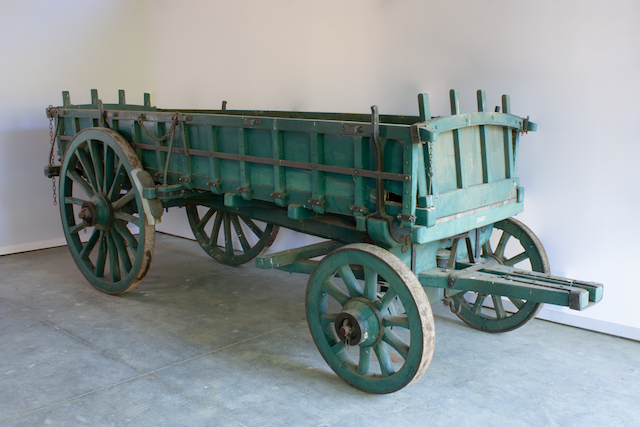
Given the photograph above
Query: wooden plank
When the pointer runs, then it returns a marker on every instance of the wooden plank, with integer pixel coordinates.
(161, 157)
(461, 178)
(317, 177)
(487, 175)
(214, 184)
(279, 177)
(244, 167)
(410, 188)
(508, 140)
(360, 199)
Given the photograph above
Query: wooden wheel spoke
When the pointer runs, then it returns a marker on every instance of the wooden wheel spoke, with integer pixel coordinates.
(213, 241)
(246, 247)
(98, 163)
(120, 175)
(109, 168)
(399, 321)
(122, 251)
(122, 229)
(129, 196)
(205, 219)
(127, 218)
(502, 244)
(78, 179)
(350, 281)
(498, 307)
(517, 302)
(339, 347)
(477, 305)
(87, 166)
(364, 361)
(328, 318)
(486, 249)
(370, 283)
(78, 227)
(73, 201)
(102, 256)
(396, 342)
(252, 225)
(337, 293)
(388, 297)
(91, 243)
(114, 266)
(516, 259)
(228, 243)
(386, 367)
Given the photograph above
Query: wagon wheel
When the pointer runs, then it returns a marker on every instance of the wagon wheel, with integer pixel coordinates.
(208, 228)
(104, 203)
(353, 327)
(497, 319)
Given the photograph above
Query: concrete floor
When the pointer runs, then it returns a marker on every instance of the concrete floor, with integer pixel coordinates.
(203, 344)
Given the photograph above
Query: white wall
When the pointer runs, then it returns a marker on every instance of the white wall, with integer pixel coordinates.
(573, 66)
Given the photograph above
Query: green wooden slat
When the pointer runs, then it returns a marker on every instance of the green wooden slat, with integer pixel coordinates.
(136, 133)
(161, 157)
(410, 189)
(360, 191)
(424, 107)
(187, 173)
(317, 177)
(121, 98)
(244, 167)
(484, 148)
(279, 176)
(454, 99)
(508, 141)
(212, 135)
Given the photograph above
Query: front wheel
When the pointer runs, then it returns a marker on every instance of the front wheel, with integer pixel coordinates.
(376, 342)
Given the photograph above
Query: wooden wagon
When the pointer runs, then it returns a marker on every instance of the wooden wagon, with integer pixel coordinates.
(408, 205)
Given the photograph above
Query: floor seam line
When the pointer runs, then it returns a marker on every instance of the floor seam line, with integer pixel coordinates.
(70, 335)
(194, 400)
(73, 398)
(221, 348)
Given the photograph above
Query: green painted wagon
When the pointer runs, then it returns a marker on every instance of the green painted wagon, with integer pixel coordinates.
(416, 209)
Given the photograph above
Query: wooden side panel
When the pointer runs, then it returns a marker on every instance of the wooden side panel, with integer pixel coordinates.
(444, 159)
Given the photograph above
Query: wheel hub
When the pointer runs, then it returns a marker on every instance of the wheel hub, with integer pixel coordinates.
(97, 212)
(359, 323)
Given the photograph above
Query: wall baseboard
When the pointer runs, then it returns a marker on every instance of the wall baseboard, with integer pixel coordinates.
(32, 246)
(596, 325)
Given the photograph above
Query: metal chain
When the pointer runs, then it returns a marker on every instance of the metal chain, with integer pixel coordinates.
(430, 168)
(51, 156)
(174, 123)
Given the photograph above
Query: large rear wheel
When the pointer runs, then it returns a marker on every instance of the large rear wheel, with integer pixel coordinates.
(495, 313)
(100, 196)
(211, 225)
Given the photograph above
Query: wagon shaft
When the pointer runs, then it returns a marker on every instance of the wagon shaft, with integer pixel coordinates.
(517, 284)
